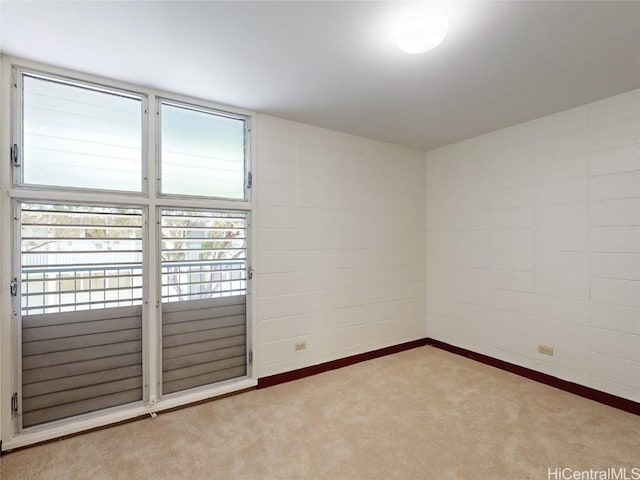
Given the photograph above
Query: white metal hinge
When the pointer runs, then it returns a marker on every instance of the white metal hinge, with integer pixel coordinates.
(14, 155)
(250, 356)
(14, 404)
(249, 180)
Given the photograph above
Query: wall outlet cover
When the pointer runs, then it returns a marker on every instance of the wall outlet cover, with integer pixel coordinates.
(545, 350)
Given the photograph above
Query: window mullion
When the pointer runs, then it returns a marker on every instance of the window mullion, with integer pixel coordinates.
(151, 329)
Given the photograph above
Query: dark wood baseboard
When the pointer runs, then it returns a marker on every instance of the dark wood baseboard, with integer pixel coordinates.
(586, 392)
(577, 389)
(339, 363)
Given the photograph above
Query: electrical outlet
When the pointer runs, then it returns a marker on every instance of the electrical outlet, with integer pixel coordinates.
(300, 346)
(545, 350)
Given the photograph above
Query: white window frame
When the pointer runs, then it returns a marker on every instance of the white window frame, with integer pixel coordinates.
(17, 122)
(214, 111)
(172, 397)
(151, 201)
(16, 307)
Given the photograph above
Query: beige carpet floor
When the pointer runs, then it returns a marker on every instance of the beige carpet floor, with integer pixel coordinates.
(419, 414)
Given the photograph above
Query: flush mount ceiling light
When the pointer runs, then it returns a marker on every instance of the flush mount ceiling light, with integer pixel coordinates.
(418, 33)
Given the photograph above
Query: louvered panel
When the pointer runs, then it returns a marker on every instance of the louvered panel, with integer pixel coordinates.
(206, 379)
(81, 309)
(78, 136)
(197, 337)
(89, 340)
(195, 305)
(68, 330)
(80, 371)
(77, 381)
(77, 394)
(192, 343)
(88, 367)
(207, 346)
(203, 151)
(186, 361)
(204, 297)
(36, 417)
(203, 324)
(80, 354)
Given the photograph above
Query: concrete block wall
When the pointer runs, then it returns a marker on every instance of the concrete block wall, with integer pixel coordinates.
(533, 237)
(340, 260)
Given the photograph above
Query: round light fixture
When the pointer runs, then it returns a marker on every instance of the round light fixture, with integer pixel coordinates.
(422, 32)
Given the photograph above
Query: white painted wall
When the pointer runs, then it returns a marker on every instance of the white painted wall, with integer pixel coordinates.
(4, 278)
(533, 237)
(340, 245)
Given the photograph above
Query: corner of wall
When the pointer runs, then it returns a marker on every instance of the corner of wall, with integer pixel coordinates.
(426, 246)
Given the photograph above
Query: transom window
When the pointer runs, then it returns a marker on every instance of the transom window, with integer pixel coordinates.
(80, 136)
(202, 152)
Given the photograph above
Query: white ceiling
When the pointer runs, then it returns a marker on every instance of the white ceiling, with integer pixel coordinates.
(334, 64)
